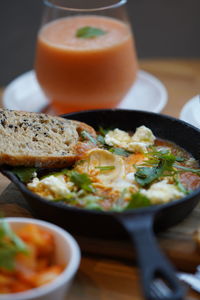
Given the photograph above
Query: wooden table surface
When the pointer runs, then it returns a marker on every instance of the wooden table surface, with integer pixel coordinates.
(100, 278)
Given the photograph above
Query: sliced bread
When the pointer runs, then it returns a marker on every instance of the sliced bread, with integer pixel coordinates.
(40, 140)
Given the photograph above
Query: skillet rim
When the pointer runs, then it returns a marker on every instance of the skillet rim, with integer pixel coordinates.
(133, 111)
(149, 209)
(144, 210)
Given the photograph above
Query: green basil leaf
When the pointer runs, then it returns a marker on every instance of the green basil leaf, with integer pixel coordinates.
(88, 136)
(94, 205)
(159, 164)
(82, 181)
(88, 32)
(137, 201)
(187, 169)
(101, 139)
(181, 187)
(146, 175)
(25, 174)
(61, 172)
(91, 202)
(105, 168)
(119, 151)
(180, 159)
(103, 131)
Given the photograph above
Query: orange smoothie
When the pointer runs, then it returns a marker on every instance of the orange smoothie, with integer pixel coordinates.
(83, 73)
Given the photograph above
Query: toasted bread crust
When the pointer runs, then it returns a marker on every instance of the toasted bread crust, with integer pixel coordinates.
(40, 140)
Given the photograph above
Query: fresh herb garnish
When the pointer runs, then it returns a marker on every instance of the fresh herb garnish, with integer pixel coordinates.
(61, 172)
(25, 174)
(138, 200)
(180, 159)
(82, 181)
(119, 151)
(146, 175)
(186, 169)
(181, 187)
(87, 201)
(162, 166)
(88, 32)
(94, 205)
(85, 135)
(105, 168)
(91, 202)
(103, 131)
(10, 246)
(101, 139)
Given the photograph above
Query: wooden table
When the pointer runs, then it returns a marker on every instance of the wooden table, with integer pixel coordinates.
(100, 278)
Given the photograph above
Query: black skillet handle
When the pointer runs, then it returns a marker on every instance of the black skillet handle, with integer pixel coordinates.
(159, 281)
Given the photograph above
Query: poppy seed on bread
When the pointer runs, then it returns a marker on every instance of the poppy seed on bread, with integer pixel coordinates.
(40, 140)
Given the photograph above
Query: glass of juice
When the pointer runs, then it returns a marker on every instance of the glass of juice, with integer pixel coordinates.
(85, 54)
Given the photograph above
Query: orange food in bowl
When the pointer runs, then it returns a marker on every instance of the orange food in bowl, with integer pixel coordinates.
(33, 267)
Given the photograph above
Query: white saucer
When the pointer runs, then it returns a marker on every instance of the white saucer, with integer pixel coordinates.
(190, 112)
(24, 93)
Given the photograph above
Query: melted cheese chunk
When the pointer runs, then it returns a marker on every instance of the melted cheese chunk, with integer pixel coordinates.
(162, 192)
(51, 187)
(143, 134)
(139, 142)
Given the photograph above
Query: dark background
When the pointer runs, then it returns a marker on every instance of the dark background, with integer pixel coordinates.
(162, 28)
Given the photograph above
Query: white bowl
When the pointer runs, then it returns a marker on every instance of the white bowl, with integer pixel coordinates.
(190, 112)
(66, 252)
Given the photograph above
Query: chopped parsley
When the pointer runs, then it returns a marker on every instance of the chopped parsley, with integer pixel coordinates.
(146, 175)
(138, 200)
(85, 135)
(103, 131)
(119, 151)
(105, 168)
(82, 181)
(186, 169)
(101, 139)
(25, 174)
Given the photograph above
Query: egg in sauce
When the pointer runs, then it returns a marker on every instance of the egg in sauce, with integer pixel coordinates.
(123, 171)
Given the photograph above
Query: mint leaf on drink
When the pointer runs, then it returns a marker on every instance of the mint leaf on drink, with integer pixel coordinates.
(88, 32)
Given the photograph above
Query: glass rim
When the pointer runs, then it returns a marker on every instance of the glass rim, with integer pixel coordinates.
(49, 3)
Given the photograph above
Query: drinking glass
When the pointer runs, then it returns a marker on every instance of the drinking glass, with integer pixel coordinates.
(85, 54)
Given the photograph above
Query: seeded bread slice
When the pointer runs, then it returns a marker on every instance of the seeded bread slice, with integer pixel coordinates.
(40, 140)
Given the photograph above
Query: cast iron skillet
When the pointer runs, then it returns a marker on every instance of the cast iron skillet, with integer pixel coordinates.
(138, 224)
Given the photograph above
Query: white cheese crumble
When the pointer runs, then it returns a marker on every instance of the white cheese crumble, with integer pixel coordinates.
(142, 138)
(143, 134)
(162, 192)
(117, 138)
(55, 184)
(34, 183)
(137, 147)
